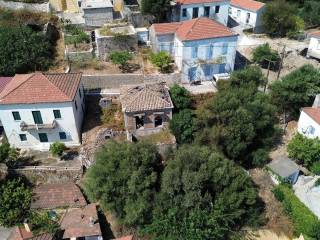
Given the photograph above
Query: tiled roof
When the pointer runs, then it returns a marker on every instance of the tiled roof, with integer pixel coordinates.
(41, 88)
(145, 97)
(57, 195)
(196, 29)
(3, 82)
(81, 222)
(247, 4)
(315, 34)
(20, 233)
(166, 28)
(185, 2)
(312, 112)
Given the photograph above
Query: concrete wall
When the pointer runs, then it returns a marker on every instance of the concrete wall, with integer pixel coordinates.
(81, 55)
(96, 17)
(314, 48)
(307, 126)
(37, 7)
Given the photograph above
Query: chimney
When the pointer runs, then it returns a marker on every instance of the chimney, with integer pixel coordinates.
(316, 103)
(27, 227)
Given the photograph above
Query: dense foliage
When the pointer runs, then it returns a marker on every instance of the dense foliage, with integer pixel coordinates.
(180, 97)
(121, 58)
(42, 223)
(15, 200)
(162, 60)
(280, 19)
(304, 221)
(263, 54)
(23, 50)
(240, 119)
(296, 90)
(182, 126)
(157, 8)
(310, 12)
(203, 196)
(8, 155)
(124, 180)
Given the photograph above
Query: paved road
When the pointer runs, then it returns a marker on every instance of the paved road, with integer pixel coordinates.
(4, 233)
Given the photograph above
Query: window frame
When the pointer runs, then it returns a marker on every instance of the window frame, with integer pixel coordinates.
(217, 9)
(206, 8)
(210, 52)
(16, 117)
(23, 137)
(58, 113)
(46, 137)
(38, 117)
(62, 134)
(184, 12)
(195, 10)
(224, 50)
(194, 53)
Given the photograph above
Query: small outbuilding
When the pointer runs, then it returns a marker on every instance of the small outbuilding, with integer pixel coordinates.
(285, 169)
(97, 12)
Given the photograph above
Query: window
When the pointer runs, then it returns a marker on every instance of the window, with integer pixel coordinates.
(37, 117)
(238, 13)
(43, 137)
(158, 121)
(195, 12)
(184, 12)
(207, 11)
(207, 70)
(217, 9)
(76, 105)
(224, 50)
(62, 135)
(80, 93)
(23, 137)
(16, 116)
(139, 121)
(248, 18)
(79, 4)
(210, 52)
(194, 52)
(57, 114)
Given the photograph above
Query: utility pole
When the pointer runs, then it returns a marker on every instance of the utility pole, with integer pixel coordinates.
(281, 62)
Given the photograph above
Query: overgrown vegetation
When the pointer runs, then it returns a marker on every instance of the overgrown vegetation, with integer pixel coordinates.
(121, 58)
(57, 148)
(163, 61)
(8, 155)
(75, 35)
(180, 97)
(157, 8)
(42, 223)
(112, 117)
(264, 55)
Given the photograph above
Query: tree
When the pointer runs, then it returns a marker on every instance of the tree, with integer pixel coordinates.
(181, 97)
(239, 119)
(8, 155)
(157, 8)
(296, 90)
(263, 54)
(121, 58)
(23, 50)
(203, 196)
(280, 18)
(311, 12)
(15, 200)
(124, 180)
(162, 60)
(182, 126)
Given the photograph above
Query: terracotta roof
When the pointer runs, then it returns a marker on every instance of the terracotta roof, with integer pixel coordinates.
(185, 2)
(20, 233)
(314, 113)
(139, 98)
(3, 82)
(41, 88)
(195, 29)
(57, 195)
(247, 4)
(81, 222)
(315, 34)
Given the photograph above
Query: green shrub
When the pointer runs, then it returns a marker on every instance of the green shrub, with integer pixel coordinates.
(304, 221)
(315, 168)
(57, 148)
(120, 57)
(81, 37)
(182, 126)
(180, 96)
(4, 152)
(41, 223)
(263, 54)
(317, 183)
(8, 155)
(162, 60)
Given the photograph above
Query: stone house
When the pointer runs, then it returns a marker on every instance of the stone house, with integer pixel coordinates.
(147, 108)
(200, 47)
(97, 12)
(39, 109)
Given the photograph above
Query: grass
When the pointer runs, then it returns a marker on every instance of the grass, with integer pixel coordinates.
(163, 136)
(113, 117)
(86, 64)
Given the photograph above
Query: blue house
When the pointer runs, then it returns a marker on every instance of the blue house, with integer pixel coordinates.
(200, 47)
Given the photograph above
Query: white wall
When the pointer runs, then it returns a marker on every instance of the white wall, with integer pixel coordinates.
(70, 123)
(307, 126)
(255, 17)
(221, 17)
(314, 48)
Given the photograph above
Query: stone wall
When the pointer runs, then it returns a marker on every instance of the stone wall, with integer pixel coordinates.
(81, 55)
(37, 7)
(92, 82)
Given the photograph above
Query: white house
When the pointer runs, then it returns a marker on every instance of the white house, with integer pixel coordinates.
(247, 13)
(97, 12)
(314, 45)
(309, 120)
(38, 109)
(188, 9)
(200, 47)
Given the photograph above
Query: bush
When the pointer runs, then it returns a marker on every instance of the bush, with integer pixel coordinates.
(121, 58)
(182, 126)
(57, 148)
(304, 221)
(4, 152)
(263, 54)
(42, 223)
(81, 37)
(315, 168)
(8, 155)
(180, 96)
(162, 60)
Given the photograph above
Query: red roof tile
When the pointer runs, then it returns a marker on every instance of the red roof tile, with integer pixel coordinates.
(3, 82)
(195, 29)
(166, 28)
(41, 88)
(57, 195)
(20, 233)
(185, 2)
(315, 34)
(314, 113)
(247, 4)
(81, 222)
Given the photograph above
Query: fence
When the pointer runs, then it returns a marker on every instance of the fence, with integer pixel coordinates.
(92, 82)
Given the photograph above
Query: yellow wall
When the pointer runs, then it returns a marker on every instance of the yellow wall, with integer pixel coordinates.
(65, 5)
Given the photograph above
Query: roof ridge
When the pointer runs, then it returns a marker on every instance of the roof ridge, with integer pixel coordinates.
(56, 86)
(191, 28)
(19, 85)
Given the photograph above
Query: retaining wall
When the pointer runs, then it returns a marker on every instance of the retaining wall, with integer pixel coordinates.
(36, 7)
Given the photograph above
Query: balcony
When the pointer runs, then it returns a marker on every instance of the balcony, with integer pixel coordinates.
(25, 127)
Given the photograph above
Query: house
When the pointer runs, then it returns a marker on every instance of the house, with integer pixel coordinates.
(38, 109)
(183, 10)
(3, 82)
(200, 47)
(97, 12)
(25, 233)
(309, 120)
(247, 13)
(314, 45)
(147, 108)
(285, 169)
(81, 223)
(57, 195)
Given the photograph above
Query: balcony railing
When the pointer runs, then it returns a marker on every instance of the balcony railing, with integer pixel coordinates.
(25, 127)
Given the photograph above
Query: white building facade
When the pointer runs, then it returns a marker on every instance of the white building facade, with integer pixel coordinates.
(314, 45)
(36, 125)
(308, 124)
(247, 13)
(199, 51)
(189, 9)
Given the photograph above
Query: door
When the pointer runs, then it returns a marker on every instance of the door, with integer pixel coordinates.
(192, 73)
(37, 117)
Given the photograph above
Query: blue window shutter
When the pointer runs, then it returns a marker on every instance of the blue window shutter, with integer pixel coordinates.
(210, 52)
(225, 49)
(194, 52)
